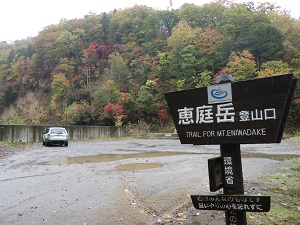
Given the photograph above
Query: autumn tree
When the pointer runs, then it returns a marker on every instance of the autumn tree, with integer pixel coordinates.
(67, 66)
(60, 87)
(114, 114)
(182, 36)
(291, 55)
(109, 92)
(71, 114)
(241, 65)
(272, 68)
(118, 67)
(6, 57)
(135, 25)
(208, 41)
(147, 98)
(143, 68)
(161, 113)
(80, 113)
(48, 50)
(203, 79)
(183, 59)
(97, 54)
(96, 27)
(21, 71)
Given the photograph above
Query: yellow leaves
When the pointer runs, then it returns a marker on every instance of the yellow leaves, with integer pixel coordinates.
(182, 35)
(273, 68)
(60, 82)
(265, 73)
(60, 87)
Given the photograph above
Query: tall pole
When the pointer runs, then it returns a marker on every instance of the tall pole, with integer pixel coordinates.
(88, 73)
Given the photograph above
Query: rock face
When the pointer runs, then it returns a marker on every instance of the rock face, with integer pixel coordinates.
(27, 105)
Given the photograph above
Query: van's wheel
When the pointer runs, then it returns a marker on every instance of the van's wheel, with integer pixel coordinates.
(66, 144)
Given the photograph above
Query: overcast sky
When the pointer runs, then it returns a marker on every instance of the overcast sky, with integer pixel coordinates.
(25, 18)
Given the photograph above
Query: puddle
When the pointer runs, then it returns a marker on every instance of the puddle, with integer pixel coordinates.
(280, 157)
(112, 157)
(139, 166)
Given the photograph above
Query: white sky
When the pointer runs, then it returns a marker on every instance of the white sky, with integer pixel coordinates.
(25, 18)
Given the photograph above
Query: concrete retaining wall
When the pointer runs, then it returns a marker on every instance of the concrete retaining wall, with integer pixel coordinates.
(29, 133)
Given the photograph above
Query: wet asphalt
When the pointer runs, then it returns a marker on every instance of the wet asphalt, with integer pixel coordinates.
(126, 181)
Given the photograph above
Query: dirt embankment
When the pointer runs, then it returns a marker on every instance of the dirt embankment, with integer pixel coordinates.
(29, 104)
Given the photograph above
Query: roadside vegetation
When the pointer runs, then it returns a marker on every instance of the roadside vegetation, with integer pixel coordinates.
(283, 185)
(114, 68)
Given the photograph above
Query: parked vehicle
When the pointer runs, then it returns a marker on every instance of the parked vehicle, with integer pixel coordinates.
(55, 135)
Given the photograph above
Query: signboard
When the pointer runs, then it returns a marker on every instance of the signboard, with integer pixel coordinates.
(247, 203)
(215, 173)
(245, 112)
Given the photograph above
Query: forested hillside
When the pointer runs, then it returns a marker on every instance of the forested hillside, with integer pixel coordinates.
(113, 68)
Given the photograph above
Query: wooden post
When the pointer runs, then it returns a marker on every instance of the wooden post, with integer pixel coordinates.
(232, 172)
(233, 180)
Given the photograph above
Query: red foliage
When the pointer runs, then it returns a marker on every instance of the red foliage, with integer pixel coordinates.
(104, 51)
(113, 110)
(92, 50)
(98, 51)
(119, 109)
(108, 107)
(136, 52)
(161, 111)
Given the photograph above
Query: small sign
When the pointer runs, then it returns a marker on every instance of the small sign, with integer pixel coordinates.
(215, 173)
(247, 203)
(219, 93)
(245, 112)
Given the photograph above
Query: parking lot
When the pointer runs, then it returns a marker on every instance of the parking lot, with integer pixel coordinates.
(125, 181)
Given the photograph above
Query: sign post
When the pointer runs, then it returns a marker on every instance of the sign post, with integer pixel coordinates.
(233, 182)
(232, 113)
(233, 179)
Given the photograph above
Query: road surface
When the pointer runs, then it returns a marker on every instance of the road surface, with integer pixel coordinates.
(126, 181)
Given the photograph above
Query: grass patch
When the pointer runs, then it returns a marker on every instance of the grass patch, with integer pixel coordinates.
(284, 187)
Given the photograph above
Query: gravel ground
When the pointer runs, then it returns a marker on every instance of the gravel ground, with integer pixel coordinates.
(126, 181)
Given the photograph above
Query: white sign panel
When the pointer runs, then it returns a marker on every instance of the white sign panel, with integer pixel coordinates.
(219, 93)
